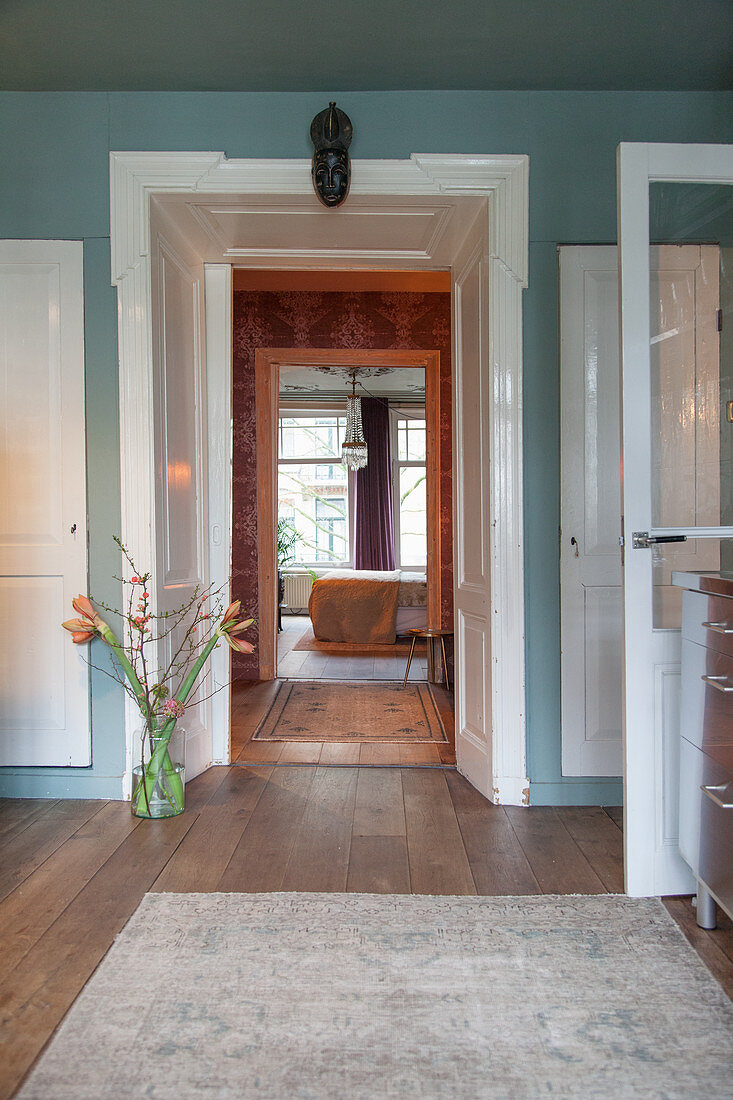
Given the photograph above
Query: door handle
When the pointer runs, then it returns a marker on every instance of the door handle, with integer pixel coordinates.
(719, 628)
(712, 792)
(642, 540)
(720, 683)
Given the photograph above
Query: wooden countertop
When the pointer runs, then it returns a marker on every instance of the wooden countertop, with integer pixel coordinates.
(717, 584)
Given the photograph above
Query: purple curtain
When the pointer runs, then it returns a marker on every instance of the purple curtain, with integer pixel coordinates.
(374, 522)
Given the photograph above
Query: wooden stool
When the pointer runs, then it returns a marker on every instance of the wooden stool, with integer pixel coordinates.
(430, 636)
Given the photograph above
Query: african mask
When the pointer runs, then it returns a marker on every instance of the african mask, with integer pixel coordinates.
(331, 134)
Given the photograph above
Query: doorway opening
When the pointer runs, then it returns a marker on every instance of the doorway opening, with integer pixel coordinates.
(202, 213)
(347, 561)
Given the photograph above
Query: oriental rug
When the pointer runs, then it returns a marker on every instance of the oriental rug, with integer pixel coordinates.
(328, 710)
(323, 996)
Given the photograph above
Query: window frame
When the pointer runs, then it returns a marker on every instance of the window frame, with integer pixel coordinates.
(399, 412)
(337, 409)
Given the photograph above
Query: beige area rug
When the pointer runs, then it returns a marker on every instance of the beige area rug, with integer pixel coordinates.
(401, 648)
(328, 710)
(324, 996)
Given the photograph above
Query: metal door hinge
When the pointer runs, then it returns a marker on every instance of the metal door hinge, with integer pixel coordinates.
(642, 540)
(719, 320)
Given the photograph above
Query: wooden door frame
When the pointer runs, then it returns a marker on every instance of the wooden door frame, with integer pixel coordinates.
(268, 362)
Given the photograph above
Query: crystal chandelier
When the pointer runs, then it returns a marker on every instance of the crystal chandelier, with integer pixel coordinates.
(354, 449)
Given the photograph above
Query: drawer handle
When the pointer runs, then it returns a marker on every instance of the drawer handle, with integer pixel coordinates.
(720, 683)
(719, 628)
(714, 790)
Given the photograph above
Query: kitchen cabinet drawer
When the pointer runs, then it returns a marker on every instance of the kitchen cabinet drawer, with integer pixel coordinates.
(706, 714)
(716, 840)
(696, 771)
(708, 620)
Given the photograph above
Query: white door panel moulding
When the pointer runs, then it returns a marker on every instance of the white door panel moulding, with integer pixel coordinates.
(502, 182)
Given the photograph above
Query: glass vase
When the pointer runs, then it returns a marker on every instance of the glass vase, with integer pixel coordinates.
(158, 783)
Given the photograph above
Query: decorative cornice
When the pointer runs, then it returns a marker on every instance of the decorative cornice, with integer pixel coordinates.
(506, 180)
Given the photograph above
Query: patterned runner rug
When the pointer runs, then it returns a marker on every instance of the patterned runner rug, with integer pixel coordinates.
(326, 996)
(320, 710)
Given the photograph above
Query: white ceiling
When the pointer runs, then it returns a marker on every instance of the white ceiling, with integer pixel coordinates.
(390, 383)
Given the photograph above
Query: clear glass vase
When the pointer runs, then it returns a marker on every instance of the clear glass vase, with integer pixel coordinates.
(158, 783)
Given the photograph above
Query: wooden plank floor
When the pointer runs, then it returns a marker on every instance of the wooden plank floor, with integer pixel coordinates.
(73, 872)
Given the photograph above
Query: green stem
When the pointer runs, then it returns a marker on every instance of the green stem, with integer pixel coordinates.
(187, 686)
(108, 635)
(160, 759)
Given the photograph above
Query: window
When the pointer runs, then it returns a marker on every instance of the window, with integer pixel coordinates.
(313, 486)
(410, 490)
(315, 492)
(330, 529)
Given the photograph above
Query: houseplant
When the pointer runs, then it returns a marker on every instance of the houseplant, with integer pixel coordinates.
(159, 688)
(288, 537)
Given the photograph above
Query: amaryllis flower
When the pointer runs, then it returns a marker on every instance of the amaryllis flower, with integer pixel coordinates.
(240, 626)
(228, 627)
(231, 612)
(239, 645)
(84, 607)
(85, 627)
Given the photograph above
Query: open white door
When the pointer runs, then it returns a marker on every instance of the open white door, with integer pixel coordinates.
(471, 513)
(673, 437)
(179, 396)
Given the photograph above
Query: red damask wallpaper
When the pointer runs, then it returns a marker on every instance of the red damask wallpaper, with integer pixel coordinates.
(314, 319)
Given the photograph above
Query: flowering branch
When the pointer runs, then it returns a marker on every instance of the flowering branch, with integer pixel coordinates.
(159, 706)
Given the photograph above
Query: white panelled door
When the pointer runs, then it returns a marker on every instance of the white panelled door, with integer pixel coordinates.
(44, 716)
(684, 280)
(180, 460)
(590, 512)
(471, 515)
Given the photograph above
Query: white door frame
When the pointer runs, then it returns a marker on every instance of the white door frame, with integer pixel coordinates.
(652, 862)
(503, 182)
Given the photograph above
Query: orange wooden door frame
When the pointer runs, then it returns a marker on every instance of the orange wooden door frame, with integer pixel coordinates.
(267, 385)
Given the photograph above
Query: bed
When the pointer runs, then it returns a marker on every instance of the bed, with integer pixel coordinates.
(362, 605)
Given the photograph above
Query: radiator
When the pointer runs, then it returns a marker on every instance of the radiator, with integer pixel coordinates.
(297, 591)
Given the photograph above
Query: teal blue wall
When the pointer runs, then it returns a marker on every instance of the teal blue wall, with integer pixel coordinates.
(54, 183)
